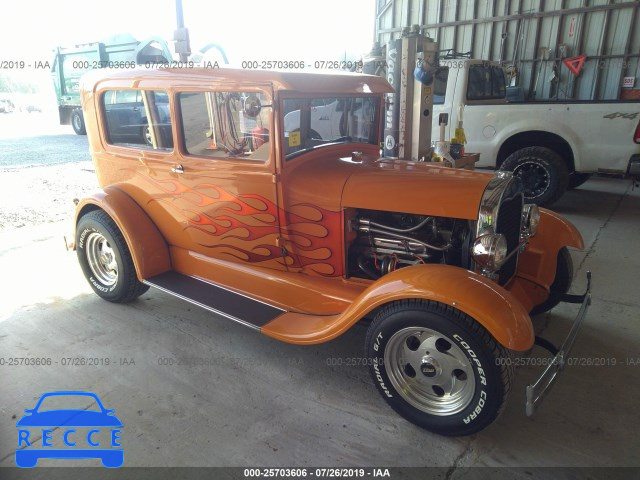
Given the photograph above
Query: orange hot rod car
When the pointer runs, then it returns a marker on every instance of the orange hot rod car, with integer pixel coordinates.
(261, 196)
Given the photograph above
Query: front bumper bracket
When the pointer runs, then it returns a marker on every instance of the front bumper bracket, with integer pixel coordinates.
(536, 391)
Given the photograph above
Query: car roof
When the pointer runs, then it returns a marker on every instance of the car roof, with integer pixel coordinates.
(302, 82)
(68, 392)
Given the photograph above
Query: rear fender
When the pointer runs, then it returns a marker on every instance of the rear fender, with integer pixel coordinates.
(148, 248)
(493, 307)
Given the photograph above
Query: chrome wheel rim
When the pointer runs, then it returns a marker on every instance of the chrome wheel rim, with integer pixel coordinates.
(76, 122)
(429, 371)
(102, 259)
(535, 178)
(147, 135)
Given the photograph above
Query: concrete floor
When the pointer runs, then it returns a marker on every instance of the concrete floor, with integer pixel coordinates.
(244, 399)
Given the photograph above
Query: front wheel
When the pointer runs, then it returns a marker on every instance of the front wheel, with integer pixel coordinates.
(105, 258)
(146, 134)
(437, 367)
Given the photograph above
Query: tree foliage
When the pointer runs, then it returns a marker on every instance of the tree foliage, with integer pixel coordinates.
(13, 85)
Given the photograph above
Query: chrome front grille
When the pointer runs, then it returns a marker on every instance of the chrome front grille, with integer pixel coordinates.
(501, 212)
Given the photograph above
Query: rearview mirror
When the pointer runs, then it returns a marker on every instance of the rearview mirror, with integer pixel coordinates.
(252, 106)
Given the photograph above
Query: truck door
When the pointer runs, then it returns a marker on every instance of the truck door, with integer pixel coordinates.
(443, 95)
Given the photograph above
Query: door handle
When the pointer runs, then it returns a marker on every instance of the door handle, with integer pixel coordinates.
(177, 168)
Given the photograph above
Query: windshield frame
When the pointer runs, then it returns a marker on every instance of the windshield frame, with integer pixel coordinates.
(316, 95)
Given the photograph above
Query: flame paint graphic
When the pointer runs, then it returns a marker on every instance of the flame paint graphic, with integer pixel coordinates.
(246, 227)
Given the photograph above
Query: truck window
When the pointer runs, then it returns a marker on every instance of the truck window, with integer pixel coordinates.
(214, 125)
(126, 114)
(486, 82)
(440, 85)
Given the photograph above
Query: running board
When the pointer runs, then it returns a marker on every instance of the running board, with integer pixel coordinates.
(227, 303)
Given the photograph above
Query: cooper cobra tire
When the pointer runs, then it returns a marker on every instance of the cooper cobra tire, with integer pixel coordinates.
(77, 122)
(437, 367)
(105, 259)
(560, 285)
(542, 171)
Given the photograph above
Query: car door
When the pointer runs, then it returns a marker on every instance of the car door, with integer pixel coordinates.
(205, 175)
(222, 188)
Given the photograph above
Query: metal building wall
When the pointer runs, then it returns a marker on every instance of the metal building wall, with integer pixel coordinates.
(516, 32)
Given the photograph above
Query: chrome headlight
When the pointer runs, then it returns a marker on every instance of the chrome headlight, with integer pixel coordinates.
(490, 251)
(530, 219)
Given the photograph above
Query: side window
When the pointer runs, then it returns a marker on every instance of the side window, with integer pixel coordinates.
(499, 88)
(127, 96)
(223, 125)
(486, 82)
(440, 85)
(138, 119)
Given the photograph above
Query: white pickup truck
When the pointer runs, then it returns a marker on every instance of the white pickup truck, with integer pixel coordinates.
(550, 145)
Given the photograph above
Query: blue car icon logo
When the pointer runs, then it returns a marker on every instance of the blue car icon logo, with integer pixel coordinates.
(69, 433)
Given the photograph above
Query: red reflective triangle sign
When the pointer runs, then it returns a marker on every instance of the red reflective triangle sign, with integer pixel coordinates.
(575, 64)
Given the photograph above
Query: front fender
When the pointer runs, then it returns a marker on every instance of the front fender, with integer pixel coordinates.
(538, 262)
(493, 307)
(149, 250)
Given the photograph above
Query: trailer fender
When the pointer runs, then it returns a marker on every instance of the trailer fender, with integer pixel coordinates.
(492, 306)
(148, 247)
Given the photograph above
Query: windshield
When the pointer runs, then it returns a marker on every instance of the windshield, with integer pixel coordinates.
(312, 122)
(69, 402)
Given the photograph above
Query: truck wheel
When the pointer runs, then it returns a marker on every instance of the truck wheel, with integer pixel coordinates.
(437, 367)
(560, 285)
(542, 171)
(105, 259)
(77, 122)
(576, 179)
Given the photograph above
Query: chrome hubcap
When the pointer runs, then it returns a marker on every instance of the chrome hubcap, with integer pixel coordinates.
(429, 371)
(102, 259)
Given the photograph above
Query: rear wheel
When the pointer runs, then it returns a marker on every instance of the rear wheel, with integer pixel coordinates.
(77, 122)
(105, 259)
(543, 173)
(576, 179)
(437, 367)
(560, 285)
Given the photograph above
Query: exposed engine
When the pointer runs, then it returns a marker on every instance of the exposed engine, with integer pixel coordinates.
(382, 242)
